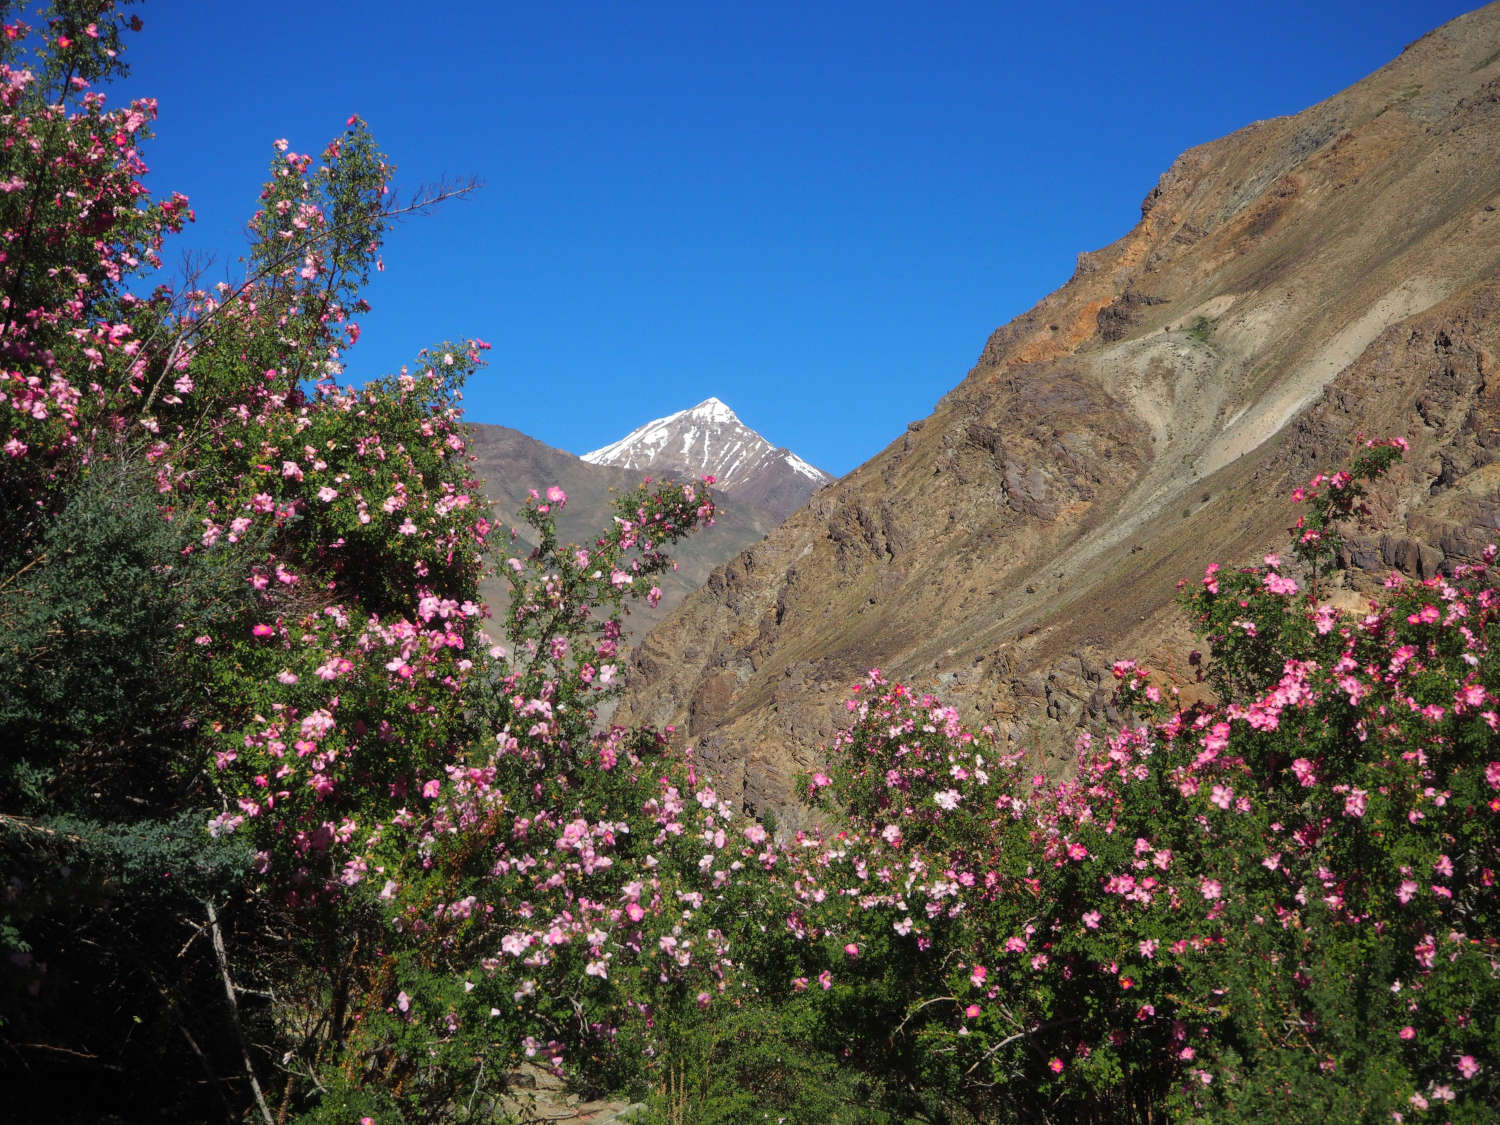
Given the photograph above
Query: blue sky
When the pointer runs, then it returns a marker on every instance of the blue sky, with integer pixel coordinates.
(816, 212)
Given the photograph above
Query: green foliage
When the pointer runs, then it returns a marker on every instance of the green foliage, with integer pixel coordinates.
(764, 1061)
(286, 832)
(96, 969)
(94, 50)
(93, 656)
(314, 240)
(152, 541)
(1334, 499)
(1284, 899)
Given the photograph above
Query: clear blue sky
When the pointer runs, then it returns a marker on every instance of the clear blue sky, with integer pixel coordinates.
(815, 211)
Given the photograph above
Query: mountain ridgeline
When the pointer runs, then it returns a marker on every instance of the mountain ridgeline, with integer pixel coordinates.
(710, 440)
(757, 486)
(1291, 286)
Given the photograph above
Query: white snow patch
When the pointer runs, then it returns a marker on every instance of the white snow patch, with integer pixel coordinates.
(801, 466)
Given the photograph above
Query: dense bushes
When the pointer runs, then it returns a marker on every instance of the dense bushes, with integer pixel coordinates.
(335, 847)
(183, 484)
(1279, 905)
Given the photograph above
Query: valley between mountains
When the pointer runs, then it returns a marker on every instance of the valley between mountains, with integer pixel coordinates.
(292, 833)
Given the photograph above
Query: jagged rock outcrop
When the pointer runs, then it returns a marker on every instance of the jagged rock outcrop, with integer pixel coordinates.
(1288, 287)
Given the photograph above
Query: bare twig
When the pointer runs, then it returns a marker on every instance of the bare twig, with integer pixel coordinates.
(234, 1010)
(478, 1078)
(422, 201)
(39, 559)
(919, 1007)
(57, 1049)
(25, 823)
(171, 1001)
(199, 932)
(1022, 1034)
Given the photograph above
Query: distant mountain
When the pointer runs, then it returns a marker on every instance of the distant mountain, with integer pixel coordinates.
(511, 463)
(710, 439)
(1287, 288)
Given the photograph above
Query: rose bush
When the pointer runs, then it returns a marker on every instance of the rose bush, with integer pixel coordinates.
(347, 847)
(1281, 900)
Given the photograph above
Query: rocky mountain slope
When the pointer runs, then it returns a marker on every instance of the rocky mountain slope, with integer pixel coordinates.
(511, 463)
(1288, 287)
(710, 439)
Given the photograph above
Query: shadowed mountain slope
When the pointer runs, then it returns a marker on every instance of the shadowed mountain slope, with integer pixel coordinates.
(1288, 287)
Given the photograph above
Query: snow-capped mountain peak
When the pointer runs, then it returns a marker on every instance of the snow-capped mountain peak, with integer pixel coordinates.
(710, 440)
(712, 410)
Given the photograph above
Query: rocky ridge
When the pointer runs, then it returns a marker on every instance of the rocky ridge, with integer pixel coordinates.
(1288, 287)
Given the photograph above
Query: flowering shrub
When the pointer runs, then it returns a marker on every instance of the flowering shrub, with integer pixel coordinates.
(1282, 900)
(235, 595)
(274, 782)
(534, 887)
(298, 659)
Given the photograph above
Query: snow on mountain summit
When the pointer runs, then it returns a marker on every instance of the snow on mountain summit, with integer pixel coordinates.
(709, 439)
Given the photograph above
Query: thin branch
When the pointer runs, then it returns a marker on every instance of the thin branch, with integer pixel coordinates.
(478, 1078)
(1009, 1039)
(177, 1018)
(10, 821)
(919, 1007)
(234, 1010)
(57, 1049)
(40, 558)
(199, 932)
(422, 201)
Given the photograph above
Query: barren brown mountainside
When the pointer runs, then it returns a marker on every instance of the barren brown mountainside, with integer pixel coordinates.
(1288, 287)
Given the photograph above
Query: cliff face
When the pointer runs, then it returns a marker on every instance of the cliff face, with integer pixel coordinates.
(1288, 287)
